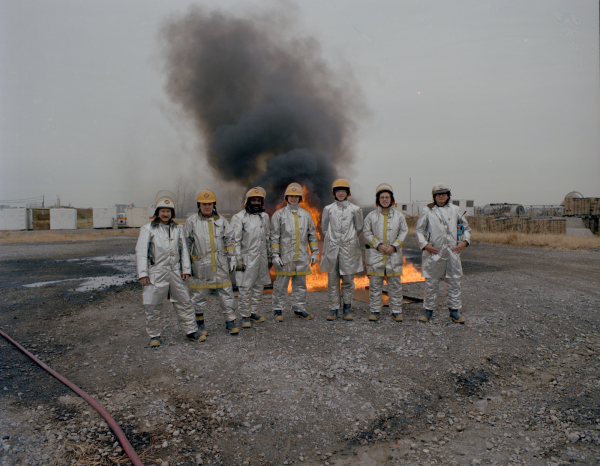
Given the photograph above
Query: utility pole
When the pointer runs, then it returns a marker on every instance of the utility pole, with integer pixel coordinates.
(43, 201)
(410, 189)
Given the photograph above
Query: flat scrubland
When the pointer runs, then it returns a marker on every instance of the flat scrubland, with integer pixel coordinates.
(562, 242)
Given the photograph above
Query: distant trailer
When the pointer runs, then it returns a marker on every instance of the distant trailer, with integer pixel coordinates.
(104, 217)
(137, 216)
(411, 209)
(16, 219)
(63, 219)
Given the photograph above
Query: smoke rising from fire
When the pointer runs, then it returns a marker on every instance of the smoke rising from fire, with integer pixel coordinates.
(269, 108)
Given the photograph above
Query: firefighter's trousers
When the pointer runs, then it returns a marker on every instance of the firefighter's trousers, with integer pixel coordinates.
(226, 301)
(394, 293)
(432, 286)
(154, 318)
(333, 287)
(298, 296)
(249, 299)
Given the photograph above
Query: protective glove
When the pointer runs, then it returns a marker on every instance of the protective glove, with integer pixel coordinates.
(313, 259)
(240, 267)
(278, 262)
(232, 265)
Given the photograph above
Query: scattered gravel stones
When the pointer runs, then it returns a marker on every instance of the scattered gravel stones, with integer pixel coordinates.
(508, 387)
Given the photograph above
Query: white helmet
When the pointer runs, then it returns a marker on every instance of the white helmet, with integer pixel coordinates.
(440, 188)
(165, 200)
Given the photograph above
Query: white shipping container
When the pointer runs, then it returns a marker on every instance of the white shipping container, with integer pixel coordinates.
(16, 219)
(104, 217)
(137, 216)
(63, 219)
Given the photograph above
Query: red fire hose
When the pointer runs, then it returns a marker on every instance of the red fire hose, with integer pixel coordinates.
(93, 403)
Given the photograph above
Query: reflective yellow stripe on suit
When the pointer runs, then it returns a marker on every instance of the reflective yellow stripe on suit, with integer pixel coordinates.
(297, 230)
(385, 219)
(211, 235)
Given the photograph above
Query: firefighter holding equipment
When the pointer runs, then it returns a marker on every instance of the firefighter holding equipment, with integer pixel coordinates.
(341, 222)
(212, 247)
(436, 233)
(163, 264)
(293, 232)
(251, 232)
(385, 229)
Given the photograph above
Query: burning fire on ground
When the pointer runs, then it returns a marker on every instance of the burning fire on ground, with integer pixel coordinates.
(317, 281)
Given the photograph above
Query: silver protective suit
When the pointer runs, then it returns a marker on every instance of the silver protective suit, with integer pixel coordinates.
(293, 232)
(162, 256)
(390, 230)
(211, 244)
(251, 233)
(438, 226)
(341, 222)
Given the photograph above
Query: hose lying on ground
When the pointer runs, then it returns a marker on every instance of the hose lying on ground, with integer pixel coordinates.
(93, 403)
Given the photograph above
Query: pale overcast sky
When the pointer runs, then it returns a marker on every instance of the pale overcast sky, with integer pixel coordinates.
(498, 99)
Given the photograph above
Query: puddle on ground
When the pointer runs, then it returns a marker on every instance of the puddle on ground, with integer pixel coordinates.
(125, 272)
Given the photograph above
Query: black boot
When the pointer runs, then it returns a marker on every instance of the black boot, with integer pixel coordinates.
(455, 317)
(154, 342)
(348, 312)
(427, 316)
(246, 322)
(397, 316)
(374, 317)
(256, 318)
(200, 323)
(196, 336)
(332, 314)
(278, 316)
(303, 314)
(231, 328)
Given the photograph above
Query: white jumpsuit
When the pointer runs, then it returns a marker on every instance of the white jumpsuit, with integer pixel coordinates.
(292, 233)
(390, 230)
(162, 256)
(438, 226)
(341, 222)
(251, 234)
(211, 244)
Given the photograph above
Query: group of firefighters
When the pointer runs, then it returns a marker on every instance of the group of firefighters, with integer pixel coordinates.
(183, 263)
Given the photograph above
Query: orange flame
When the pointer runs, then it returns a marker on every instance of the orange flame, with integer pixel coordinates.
(318, 280)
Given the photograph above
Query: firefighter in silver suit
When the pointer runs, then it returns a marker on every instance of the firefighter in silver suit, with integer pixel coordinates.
(163, 264)
(293, 232)
(437, 234)
(341, 222)
(210, 238)
(251, 232)
(384, 231)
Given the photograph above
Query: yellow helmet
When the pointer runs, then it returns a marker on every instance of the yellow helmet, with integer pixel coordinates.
(255, 192)
(340, 183)
(384, 187)
(294, 189)
(207, 196)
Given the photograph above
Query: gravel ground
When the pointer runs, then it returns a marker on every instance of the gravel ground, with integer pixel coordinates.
(517, 384)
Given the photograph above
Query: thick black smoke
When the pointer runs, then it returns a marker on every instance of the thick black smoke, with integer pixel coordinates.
(269, 108)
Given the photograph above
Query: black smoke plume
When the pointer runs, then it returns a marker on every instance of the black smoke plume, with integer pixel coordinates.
(268, 107)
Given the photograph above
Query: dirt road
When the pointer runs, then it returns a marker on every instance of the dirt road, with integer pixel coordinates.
(519, 383)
